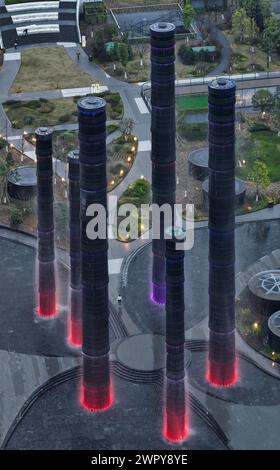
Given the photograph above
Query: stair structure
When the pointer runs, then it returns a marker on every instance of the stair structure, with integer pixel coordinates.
(39, 22)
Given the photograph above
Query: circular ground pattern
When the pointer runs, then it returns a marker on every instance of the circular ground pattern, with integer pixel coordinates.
(254, 386)
(137, 407)
(142, 352)
(253, 240)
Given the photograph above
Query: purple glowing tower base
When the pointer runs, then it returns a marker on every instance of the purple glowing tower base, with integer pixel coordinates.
(158, 294)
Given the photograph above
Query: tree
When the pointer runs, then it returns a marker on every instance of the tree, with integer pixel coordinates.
(186, 54)
(259, 175)
(257, 10)
(5, 167)
(126, 127)
(123, 53)
(241, 24)
(142, 48)
(271, 34)
(263, 100)
(188, 14)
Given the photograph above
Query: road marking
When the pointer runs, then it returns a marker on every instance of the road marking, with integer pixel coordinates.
(141, 105)
(144, 146)
(67, 44)
(70, 92)
(115, 265)
(12, 56)
(107, 75)
(31, 154)
(15, 137)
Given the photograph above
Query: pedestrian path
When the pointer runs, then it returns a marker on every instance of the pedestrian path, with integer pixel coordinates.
(141, 105)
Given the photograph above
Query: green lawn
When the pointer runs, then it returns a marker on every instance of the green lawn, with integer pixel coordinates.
(49, 68)
(192, 103)
(264, 145)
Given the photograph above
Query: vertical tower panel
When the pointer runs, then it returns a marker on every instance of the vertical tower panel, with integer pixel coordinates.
(96, 393)
(163, 130)
(222, 362)
(75, 297)
(46, 251)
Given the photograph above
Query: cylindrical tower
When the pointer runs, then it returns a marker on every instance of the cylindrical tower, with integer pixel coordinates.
(96, 391)
(222, 361)
(46, 250)
(163, 130)
(176, 423)
(75, 297)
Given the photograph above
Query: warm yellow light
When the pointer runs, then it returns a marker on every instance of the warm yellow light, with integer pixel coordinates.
(112, 182)
(135, 138)
(129, 159)
(133, 149)
(121, 172)
(256, 325)
(142, 226)
(63, 180)
(273, 353)
(142, 177)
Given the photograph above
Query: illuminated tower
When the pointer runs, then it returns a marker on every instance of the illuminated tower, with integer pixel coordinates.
(163, 130)
(96, 391)
(176, 425)
(46, 251)
(75, 300)
(222, 363)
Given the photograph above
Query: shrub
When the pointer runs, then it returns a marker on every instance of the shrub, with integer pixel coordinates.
(196, 131)
(186, 55)
(34, 104)
(3, 143)
(258, 126)
(28, 120)
(64, 118)
(16, 216)
(46, 108)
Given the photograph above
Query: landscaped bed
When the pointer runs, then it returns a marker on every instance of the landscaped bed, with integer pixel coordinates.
(252, 326)
(49, 68)
(139, 192)
(43, 112)
(263, 145)
(121, 154)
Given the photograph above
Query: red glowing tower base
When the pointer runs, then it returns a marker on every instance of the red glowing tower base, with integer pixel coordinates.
(47, 305)
(96, 398)
(222, 375)
(75, 332)
(175, 428)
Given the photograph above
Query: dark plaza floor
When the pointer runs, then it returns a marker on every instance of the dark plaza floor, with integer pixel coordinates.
(133, 422)
(56, 420)
(253, 240)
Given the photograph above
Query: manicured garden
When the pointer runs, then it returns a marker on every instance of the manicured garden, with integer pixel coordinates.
(49, 68)
(43, 112)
